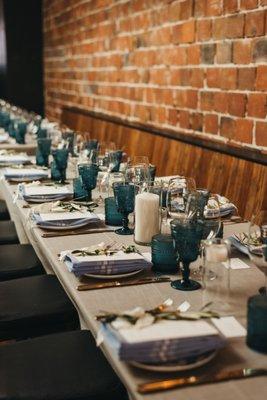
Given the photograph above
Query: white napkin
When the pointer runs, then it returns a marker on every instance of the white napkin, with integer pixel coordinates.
(14, 159)
(164, 330)
(25, 172)
(4, 137)
(45, 190)
(66, 216)
(119, 256)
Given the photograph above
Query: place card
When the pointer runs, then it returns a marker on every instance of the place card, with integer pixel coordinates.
(236, 263)
(229, 327)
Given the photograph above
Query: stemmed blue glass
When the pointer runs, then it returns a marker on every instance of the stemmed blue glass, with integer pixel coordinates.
(43, 151)
(59, 165)
(125, 199)
(88, 173)
(42, 133)
(187, 235)
(21, 129)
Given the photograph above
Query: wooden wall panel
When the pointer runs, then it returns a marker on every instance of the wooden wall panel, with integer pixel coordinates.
(243, 182)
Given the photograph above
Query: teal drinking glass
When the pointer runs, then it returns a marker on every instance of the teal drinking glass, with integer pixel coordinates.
(92, 145)
(43, 151)
(257, 323)
(187, 235)
(164, 258)
(125, 200)
(88, 174)
(112, 216)
(116, 158)
(79, 192)
(68, 136)
(152, 171)
(21, 129)
(42, 133)
(59, 165)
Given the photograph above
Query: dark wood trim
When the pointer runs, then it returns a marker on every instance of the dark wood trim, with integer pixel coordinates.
(229, 148)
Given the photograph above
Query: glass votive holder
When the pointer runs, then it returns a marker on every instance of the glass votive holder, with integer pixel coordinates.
(79, 192)
(112, 216)
(257, 323)
(216, 274)
(163, 254)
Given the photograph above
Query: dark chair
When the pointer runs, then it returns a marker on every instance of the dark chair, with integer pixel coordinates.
(64, 366)
(8, 233)
(35, 306)
(18, 261)
(4, 214)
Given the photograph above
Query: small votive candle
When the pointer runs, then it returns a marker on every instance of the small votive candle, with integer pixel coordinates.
(257, 323)
(147, 217)
(163, 254)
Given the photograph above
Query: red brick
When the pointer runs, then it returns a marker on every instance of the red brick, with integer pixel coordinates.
(257, 105)
(248, 4)
(197, 77)
(200, 8)
(174, 56)
(184, 33)
(246, 78)
(228, 27)
(213, 77)
(203, 29)
(261, 133)
(172, 116)
(243, 130)
(230, 6)
(221, 102)
(196, 121)
(261, 80)
(193, 54)
(184, 119)
(227, 127)
(263, 2)
(211, 123)
(186, 9)
(158, 76)
(228, 78)
(214, 8)
(242, 52)
(237, 104)
(224, 53)
(254, 24)
(207, 101)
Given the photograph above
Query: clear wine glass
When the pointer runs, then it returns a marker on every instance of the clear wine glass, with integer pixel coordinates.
(257, 244)
(177, 195)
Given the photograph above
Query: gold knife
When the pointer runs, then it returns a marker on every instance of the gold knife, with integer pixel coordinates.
(106, 285)
(167, 384)
(69, 233)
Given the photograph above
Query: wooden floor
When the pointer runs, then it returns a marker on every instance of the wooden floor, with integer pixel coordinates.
(243, 182)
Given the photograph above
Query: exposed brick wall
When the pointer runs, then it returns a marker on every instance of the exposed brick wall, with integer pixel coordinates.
(194, 66)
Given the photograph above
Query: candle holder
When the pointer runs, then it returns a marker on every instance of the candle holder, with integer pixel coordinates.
(125, 200)
(163, 254)
(257, 323)
(112, 216)
(59, 165)
(79, 192)
(187, 235)
(43, 152)
(88, 174)
(21, 128)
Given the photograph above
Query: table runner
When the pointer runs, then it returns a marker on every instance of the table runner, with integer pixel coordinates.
(236, 355)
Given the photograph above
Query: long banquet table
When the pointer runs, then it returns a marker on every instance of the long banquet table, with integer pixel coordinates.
(244, 283)
(29, 147)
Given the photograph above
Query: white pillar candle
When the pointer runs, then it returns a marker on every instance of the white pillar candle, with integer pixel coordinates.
(146, 217)
(216, 253)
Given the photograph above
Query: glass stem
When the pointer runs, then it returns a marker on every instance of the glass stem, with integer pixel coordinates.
(185, 272)
(89, 195)
(125, 221)
(265, 286)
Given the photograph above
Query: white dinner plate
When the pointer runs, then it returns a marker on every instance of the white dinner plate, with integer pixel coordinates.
(114, 276)
(27, 178)
(179, 366)
(67, 227)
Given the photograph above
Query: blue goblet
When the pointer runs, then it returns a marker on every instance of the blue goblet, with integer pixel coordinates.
(115, 158)
(187, 235)
(125, 198)
(59, 165)
(91, 144)
(43, 152)
(21, 128)
(68, 136)
(42, 133)
(88, 173)
(79, 192)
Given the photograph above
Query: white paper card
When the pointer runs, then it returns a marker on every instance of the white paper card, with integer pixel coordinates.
(236, 263)
(165, 330)
(229, 327)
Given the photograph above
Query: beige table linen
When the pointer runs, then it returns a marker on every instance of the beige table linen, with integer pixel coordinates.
(244, 283)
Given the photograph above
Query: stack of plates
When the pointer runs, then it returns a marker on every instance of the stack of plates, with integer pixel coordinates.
(25, 174)
(165, 343)
(110, 266)
(40, 194)
(64, 220)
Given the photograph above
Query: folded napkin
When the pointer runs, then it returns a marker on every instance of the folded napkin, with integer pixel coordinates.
(163, 341)
(224, 204)
(44, 192)
(14, 159)
(238, 245)
(120, 262)
(4, 137)
(32, 173)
